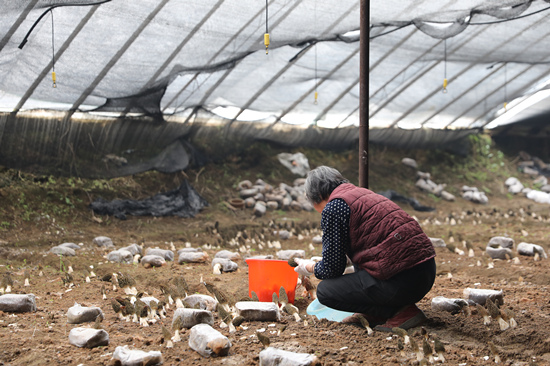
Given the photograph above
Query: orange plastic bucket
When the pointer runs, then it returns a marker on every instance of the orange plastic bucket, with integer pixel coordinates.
(266, 276)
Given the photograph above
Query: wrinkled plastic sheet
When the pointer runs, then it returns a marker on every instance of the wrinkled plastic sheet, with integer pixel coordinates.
(296, 163)
(397, 197)
(184, 201)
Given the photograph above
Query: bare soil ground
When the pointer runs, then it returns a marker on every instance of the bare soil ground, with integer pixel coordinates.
(34, 217)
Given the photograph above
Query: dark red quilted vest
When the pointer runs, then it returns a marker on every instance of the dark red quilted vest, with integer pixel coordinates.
(385, 240)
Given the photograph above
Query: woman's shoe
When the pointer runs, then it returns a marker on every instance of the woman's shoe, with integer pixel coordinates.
(408, 317)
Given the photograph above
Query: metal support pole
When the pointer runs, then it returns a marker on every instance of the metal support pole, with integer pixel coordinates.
(364, 96)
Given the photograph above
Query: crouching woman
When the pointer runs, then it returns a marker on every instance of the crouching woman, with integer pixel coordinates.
(392, 257)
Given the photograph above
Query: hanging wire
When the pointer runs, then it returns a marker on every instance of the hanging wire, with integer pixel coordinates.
(445, 69)
(316, 92)
(390, 31)
(505, 89)
(471, 23)
(507, 20)
(26, 38)
(53, 56)
(266, 34)
(316, 95)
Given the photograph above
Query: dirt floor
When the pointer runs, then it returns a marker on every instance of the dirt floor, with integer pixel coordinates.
(41, 337)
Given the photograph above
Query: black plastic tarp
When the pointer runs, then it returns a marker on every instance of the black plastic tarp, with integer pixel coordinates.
(184, 201)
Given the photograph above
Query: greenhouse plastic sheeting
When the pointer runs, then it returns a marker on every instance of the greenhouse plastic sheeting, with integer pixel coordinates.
(195, 63)
(184, 201)
(98, 148)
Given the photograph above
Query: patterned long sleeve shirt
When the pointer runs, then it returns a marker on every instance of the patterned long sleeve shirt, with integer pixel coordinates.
(336, 240)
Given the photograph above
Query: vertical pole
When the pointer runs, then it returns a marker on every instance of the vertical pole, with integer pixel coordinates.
(364, 96)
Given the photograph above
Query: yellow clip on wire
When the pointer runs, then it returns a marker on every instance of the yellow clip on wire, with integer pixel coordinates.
(316, 95)
(54, 79)
(444, 85)
(266, 41)
(505, 105)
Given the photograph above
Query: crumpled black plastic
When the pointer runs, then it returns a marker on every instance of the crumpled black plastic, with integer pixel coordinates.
(396, 197)
(184, 201)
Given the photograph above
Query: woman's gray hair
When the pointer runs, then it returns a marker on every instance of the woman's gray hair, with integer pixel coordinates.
(321, 181)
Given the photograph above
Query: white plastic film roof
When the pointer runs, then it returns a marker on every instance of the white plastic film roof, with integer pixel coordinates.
(176, 57)
(191, 62)
(490, 53)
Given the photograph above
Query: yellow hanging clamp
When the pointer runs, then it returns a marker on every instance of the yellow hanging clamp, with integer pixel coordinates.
(444, 85)
(316, 95)
(505, 105)
(266, 41)
(54, 79)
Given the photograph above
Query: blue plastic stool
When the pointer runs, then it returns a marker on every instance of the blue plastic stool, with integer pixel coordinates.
(324, 312)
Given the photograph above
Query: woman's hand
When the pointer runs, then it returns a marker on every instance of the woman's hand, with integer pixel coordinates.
(305, 267)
